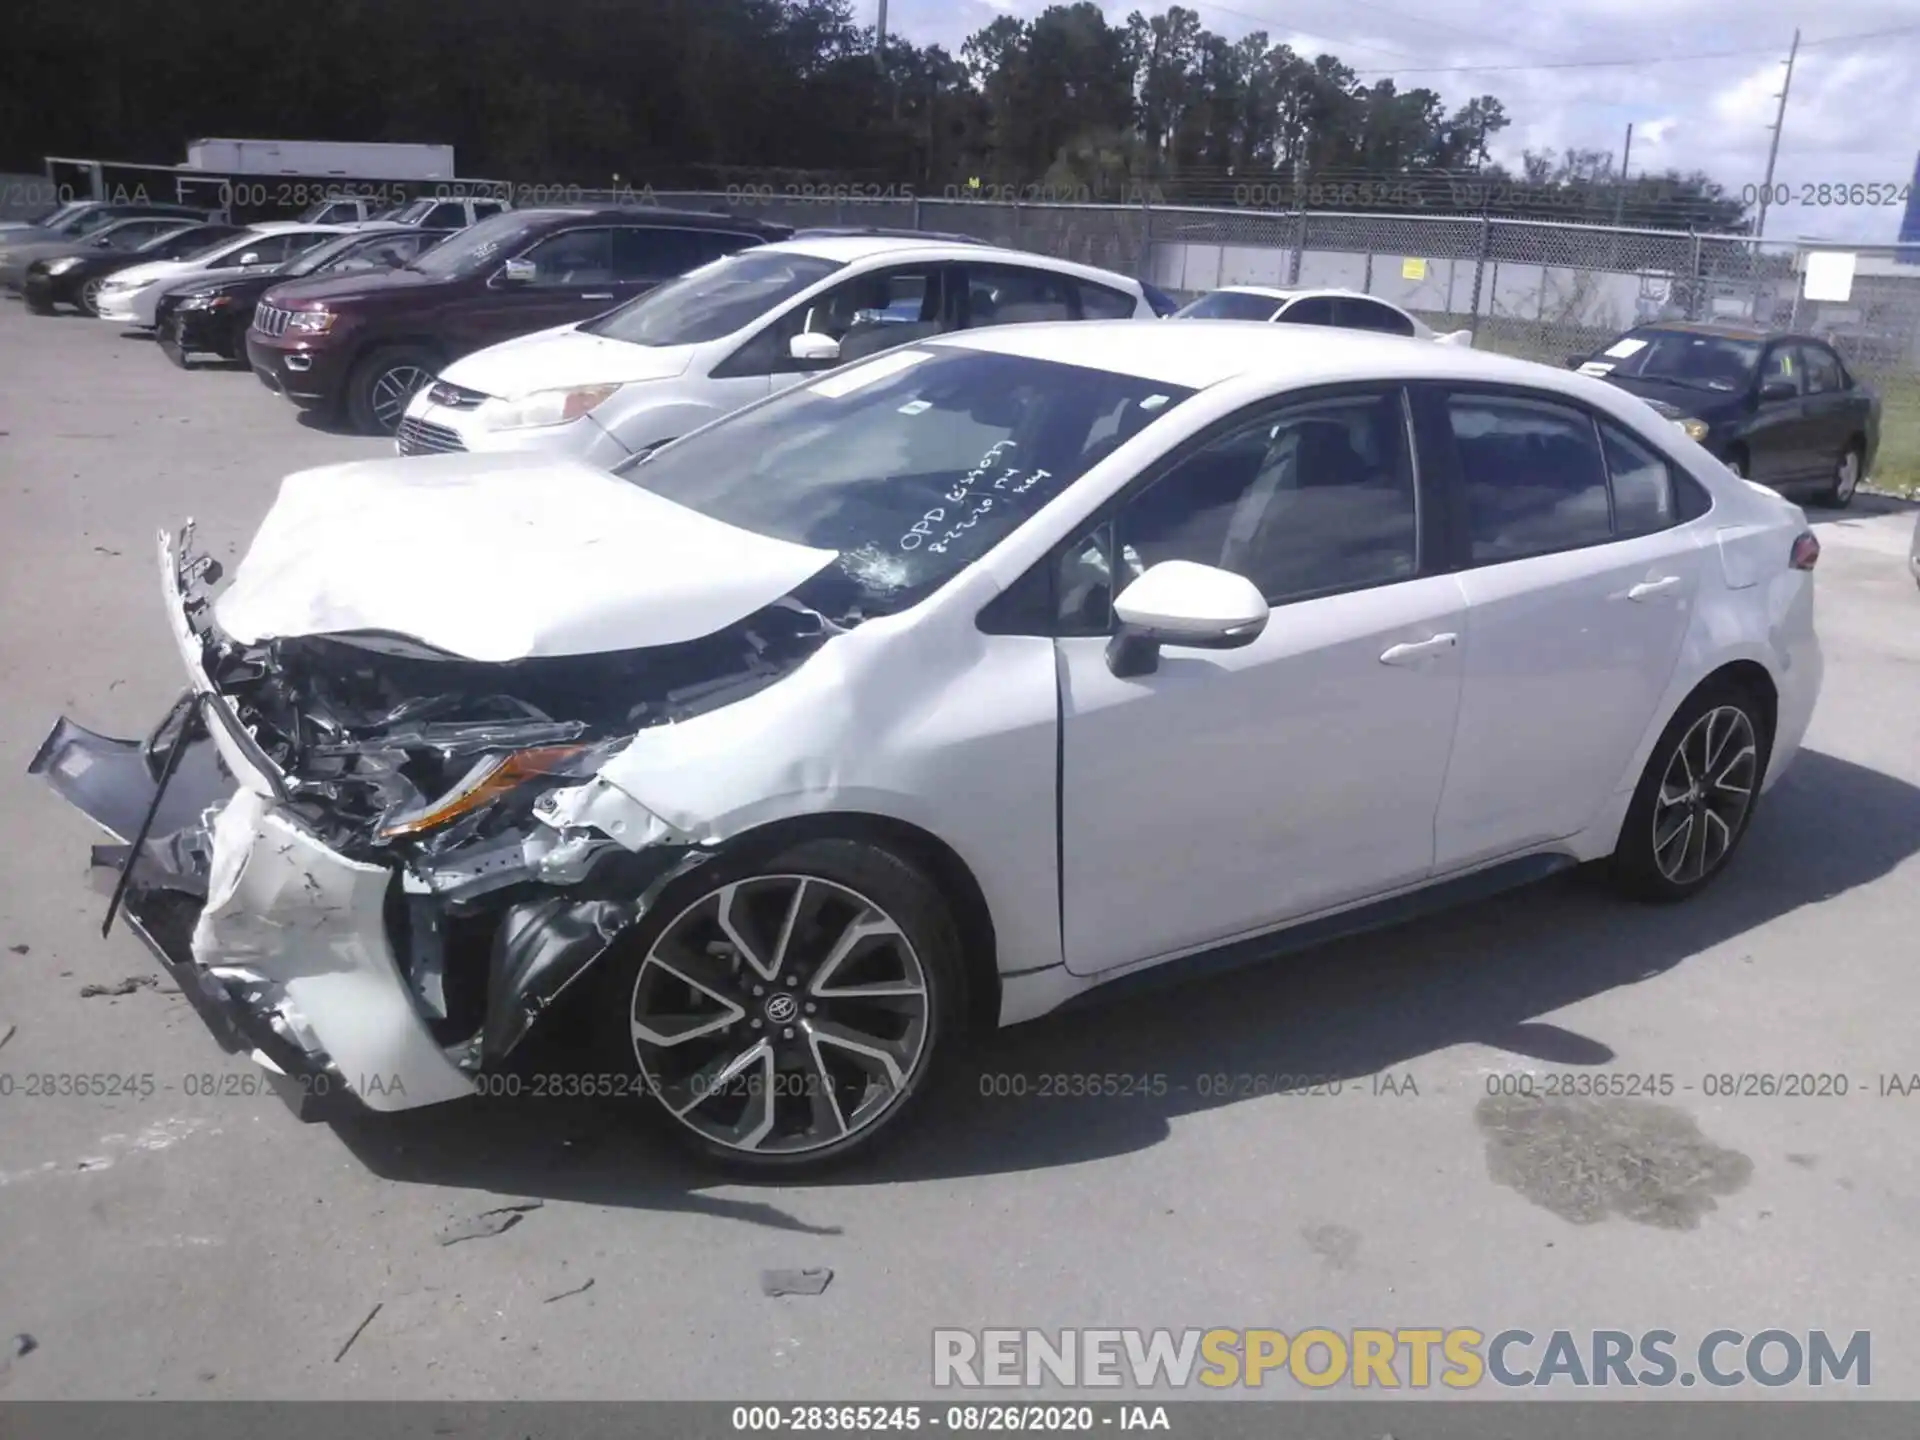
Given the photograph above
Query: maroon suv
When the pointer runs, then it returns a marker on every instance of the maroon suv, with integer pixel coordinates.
(365, 342)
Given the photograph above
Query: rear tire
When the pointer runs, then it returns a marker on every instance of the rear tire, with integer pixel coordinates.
(379, 387)
(1696, 797)
(1846, 478)
(749, 1046)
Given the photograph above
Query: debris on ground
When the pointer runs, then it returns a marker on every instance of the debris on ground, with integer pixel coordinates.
(24, 1344)
(488, 1223)
(568, 1294)
(795, 1282)
(20, 949)
(104, 550)
(356, 1331)
(125, 987)
(6, 1035)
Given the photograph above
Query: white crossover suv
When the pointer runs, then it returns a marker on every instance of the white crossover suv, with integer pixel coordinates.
(736, 331)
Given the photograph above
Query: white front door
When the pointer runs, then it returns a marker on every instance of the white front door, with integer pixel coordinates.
(1228, 791)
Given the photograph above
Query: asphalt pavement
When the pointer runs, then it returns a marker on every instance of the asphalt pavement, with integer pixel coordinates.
(200, 1242)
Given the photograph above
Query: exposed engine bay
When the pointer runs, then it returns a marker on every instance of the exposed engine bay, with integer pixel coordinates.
(363, 851)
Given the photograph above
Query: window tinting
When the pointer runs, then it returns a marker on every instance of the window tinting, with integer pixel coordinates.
(1780, 365)
(1535, 481)
(1643, 493)
(648, 252)
(1314, 310)
(717, 300)
(574, 257)
(1009, 295)
(1371, 315)
(1097, 302)
(1318, 498)
(1229, 305)
(1823, 370)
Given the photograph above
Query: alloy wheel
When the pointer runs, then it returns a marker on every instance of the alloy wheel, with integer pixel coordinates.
(391, 390)
(90, 297)
(780, 1015)
(1705, 795)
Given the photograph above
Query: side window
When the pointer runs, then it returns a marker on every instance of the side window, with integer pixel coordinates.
(447, 212)
(300, 243)
(1535, 480)
(1012, 295)
(574, 257)
(867, 313)
(1314, 310)
(1315, 498)
(1097, 302)
(648, 252)
(261, 250)
(1643, 488)
(483, 209)
(1780, 365)
(1372, 315)
(1823, 370)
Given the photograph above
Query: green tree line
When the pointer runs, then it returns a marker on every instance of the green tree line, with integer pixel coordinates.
(710, 93)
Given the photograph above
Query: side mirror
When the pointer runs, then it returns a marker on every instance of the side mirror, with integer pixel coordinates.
(811, 349)
(1178, 602)
(252, 257)
(1779, 390)
(519, 272)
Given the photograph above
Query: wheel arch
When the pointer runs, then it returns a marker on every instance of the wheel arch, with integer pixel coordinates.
(942, 864)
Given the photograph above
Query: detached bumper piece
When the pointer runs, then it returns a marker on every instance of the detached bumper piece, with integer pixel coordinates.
(276, 940)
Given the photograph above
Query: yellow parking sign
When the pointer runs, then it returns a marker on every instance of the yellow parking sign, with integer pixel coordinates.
(1411, 269)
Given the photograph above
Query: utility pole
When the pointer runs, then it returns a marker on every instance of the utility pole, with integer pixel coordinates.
(880, 37)
(1773, 148)
(1620, 197)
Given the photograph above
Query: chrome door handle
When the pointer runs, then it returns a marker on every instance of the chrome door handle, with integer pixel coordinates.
(1649, 588)
(1419, 650)
(598, 296)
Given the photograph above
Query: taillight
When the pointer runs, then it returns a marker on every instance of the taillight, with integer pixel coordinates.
(1806, 552)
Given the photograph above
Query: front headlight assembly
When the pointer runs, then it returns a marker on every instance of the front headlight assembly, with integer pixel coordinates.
(492, 778)
(309, 322)
(1696, 430)
(547, 407)
(62, 265)
(215, 301)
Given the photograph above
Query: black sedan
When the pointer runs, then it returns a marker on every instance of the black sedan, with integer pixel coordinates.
(203, 316)
(74, 278)
(1781, 409)
(120, 237)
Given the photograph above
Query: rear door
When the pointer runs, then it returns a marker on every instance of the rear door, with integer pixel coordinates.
(1002, 294)
(1579, 583)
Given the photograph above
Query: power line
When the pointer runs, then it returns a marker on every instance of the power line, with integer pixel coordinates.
(1637, 60)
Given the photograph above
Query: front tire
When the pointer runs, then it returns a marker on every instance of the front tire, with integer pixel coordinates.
(380, 386)
(1696, 797)
(784, 1013)
(1846, 478)
(88, 298)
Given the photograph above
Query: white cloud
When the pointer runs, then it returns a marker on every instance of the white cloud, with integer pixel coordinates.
(1853, 115)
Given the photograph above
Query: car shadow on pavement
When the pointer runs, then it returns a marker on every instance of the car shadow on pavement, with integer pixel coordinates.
(1346, 1011)
(327, 422)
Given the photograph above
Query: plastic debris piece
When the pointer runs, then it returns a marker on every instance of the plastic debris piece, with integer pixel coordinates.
(567, 1294)
(795, 1282)
(124, 987)
(356, 1331)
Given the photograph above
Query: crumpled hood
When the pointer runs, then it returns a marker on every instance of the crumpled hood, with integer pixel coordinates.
(562, 357)
(499, 557)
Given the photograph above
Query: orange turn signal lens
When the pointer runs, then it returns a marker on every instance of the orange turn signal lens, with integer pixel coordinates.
(483, 784)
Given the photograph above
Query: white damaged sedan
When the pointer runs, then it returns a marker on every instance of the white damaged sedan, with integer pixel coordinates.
(930, 695)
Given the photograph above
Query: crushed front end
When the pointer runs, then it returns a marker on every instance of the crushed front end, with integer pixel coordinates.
(371, 865)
